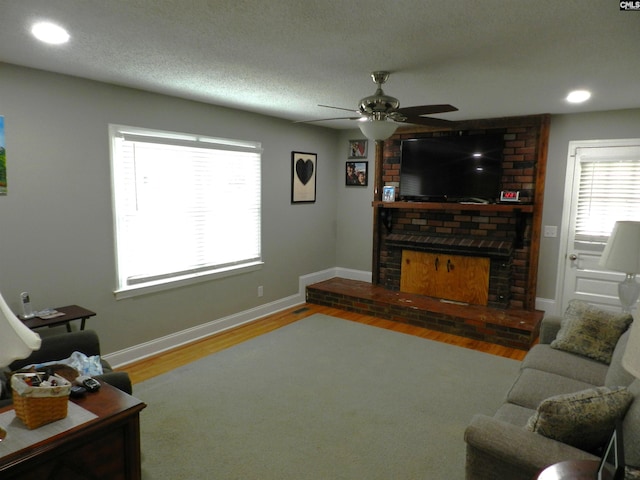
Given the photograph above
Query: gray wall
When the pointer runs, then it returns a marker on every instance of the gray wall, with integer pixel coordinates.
(56, 226)
(566, 128)
(355, 214)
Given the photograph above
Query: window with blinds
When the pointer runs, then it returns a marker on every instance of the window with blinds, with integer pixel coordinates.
(186, 208)
(609, 191)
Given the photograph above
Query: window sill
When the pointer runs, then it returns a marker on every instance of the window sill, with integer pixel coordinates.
(168, 284)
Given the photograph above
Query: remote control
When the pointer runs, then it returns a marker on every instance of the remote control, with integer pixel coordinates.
(91, 384)
(77, 391)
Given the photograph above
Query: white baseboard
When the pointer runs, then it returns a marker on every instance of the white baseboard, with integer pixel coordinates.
(162, 344)
(353, 274)
(183, 337)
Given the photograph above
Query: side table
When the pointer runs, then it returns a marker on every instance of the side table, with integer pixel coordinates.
(69, 314)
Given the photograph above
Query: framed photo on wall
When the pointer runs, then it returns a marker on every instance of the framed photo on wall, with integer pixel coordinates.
(303, 177)
(357, 149)
(357, 174)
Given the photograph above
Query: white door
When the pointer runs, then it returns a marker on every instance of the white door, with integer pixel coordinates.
(602, 186)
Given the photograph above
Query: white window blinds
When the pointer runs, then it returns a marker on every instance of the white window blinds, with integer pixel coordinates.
(609, 190)
(185, 206)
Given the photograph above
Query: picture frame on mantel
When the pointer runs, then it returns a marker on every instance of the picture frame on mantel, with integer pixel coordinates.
(388, 193)
(303, 177)
(357, 148)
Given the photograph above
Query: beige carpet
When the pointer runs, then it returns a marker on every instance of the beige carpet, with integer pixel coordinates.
(322, 398)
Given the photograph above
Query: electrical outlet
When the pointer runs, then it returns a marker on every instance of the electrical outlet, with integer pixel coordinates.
(550, 231)
(260, 291)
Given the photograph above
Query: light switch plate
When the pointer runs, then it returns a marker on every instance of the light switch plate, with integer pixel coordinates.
(550, 231)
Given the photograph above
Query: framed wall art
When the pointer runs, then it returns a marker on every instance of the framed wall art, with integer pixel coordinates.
(357, 174)
(303, 177)
(357, 149)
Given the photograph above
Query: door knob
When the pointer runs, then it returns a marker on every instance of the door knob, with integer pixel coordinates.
(573, 257)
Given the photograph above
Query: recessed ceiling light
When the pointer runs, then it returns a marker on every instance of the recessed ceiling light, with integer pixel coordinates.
(50, 33)
(578, 96)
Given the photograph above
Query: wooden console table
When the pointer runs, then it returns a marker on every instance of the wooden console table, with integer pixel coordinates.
(106, 447)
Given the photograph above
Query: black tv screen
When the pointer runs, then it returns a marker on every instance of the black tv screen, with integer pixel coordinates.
(455, 168)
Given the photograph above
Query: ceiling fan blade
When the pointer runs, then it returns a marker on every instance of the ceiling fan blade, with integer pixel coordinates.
(327, 119)
(428, 121)
(426, 110)
(339, 108)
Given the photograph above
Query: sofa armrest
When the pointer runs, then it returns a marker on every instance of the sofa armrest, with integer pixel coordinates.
(549, 328)
(59, 347)
(120, 380)
(496, 449)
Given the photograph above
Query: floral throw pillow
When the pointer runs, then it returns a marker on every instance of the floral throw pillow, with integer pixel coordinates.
(590, 331)
(583, 419)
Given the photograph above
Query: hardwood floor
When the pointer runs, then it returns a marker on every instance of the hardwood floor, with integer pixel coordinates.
(167, 361)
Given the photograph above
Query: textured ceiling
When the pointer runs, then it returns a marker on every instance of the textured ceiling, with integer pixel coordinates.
(489, 58)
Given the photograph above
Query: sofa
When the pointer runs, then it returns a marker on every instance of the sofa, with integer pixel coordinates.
(60, 347)
(564, 402)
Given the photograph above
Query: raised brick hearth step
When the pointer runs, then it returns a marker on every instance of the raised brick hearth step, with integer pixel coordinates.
(508, 327)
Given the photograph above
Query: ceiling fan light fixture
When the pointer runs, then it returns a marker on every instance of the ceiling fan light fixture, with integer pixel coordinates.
(377, 129)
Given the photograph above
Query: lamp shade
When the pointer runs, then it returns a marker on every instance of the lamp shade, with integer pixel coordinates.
(377, 129)
(622, 252)
(16, 339)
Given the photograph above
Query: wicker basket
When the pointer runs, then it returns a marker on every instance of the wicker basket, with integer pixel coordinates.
(37, 406)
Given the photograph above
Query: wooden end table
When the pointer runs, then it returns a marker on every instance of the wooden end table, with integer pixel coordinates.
(69, 314)
(105, 447)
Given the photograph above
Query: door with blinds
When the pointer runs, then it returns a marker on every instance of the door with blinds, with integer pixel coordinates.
(603, 179)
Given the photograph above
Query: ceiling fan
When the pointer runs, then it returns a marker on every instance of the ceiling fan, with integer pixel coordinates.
(379, 114)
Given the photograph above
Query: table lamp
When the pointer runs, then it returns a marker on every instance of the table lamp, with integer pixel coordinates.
(16, 341)
(622, 254)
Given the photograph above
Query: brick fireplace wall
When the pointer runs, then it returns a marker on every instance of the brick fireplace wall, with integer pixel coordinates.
(467, 224)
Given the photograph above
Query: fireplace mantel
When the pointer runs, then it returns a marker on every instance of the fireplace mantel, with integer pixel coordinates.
(482, 207)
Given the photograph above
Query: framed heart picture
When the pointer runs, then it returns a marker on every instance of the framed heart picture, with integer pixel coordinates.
(303, 177)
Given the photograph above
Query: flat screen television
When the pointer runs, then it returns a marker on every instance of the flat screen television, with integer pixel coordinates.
(453, 168)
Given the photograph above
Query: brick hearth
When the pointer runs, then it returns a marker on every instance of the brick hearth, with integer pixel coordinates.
(509, 327)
